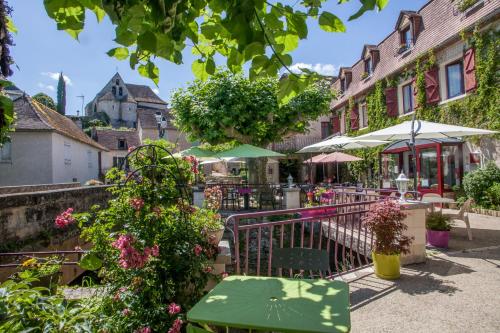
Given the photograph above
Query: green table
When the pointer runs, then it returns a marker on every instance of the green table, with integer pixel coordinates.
(276, 304)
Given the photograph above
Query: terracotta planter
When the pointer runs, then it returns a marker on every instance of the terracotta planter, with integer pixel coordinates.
(386, 266)
(216, 236)
(438, 238)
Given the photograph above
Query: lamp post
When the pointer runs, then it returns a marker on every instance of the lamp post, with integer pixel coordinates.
(162, 123)
(402, 185)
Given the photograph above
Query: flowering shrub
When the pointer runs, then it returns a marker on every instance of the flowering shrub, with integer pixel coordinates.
(385, 220)
(213, 198)
(153, 249)
(65, 218)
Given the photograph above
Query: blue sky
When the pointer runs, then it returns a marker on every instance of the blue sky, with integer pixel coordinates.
(41, 51)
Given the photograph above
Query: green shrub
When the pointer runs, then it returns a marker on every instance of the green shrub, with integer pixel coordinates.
(438, 222)
(493, 196)
(477, 183)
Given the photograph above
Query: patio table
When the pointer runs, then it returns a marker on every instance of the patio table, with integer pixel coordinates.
(276, 304)
(437, 200)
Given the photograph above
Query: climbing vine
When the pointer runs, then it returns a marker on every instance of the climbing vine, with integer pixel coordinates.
(479, 109)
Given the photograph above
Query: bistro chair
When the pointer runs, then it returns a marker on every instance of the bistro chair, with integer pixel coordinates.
(463, 215)
(229, 196)
(312, 260)
(267, 196)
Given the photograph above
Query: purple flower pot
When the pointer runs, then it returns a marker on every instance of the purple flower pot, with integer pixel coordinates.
(438, 238)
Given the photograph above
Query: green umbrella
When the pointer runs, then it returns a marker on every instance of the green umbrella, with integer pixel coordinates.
(248, 151)
(197, 152)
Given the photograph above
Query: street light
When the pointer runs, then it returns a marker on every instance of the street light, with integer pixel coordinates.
(402, 185)
(162, 123)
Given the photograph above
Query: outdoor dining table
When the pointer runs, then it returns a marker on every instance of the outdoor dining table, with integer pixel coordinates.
(275, 304)
(437, 200)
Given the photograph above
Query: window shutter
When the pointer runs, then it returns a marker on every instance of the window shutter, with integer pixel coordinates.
(470, 70)
(336, 124)
(354, 117)
(391, 101)
(115, 161)
(432, 86)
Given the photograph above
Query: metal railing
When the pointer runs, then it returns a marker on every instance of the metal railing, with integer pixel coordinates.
(336, 229)
(17, 257)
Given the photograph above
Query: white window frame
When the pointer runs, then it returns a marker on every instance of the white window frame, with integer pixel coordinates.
(362, 115)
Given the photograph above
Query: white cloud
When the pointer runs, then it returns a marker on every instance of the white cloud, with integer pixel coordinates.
(46, 86)
(156, 91)
(55, 76)
(324, 69)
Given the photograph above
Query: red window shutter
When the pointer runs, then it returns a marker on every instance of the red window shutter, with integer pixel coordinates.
(391, 101)
(432, 86)
(354, 118)
(336, 124)
(470, 70)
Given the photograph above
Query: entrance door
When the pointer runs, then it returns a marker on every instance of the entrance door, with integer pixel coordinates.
(428, 169)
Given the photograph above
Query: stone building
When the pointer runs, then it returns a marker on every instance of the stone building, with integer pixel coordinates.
(46, 147)
(136, 107)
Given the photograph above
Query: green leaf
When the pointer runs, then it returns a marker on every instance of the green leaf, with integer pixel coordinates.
(133, 60)
(147, 41)
(150, 71)
(297, 23)
(120, 53)
(10, 26)
(381, 4)
(210, 66)
(90, 262)
(289, 41)
(198, 69)
(68, 14)
(367, 5)
(124, 36)
(253, 49)
(235, 61)
(331, 23)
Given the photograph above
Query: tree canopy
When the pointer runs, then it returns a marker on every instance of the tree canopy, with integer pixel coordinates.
(229, 107)
(257, 32)
(45, 100)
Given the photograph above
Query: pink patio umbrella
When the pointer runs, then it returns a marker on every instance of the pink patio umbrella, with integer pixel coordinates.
(315, 160)
(338, 157)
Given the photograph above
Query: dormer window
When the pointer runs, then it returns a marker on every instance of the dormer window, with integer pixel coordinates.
(122, 144)
(406, 39)
(409, 26)
(368, 66)
(343, 87)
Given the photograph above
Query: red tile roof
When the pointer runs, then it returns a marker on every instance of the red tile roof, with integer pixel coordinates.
(442, 23)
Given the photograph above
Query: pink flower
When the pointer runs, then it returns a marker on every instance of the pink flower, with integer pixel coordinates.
(155, 250)
(64, 219)
(136, 203)
(176, 326)
(174, 308)
(224, 275)
(208, 269)
(129, 256)
(146, 329)
(197, 250)
(126, 312)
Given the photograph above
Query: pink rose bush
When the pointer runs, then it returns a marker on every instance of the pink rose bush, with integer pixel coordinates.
(155, 253)
(65, 218)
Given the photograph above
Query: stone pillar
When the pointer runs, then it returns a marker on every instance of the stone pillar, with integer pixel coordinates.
(198, 197)
(292, 197)
(415, 220)
(223, 259)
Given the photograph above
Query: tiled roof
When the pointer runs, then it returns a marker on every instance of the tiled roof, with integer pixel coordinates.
(31, 115)
(147, 118)
(143, 94)
(441, 24)
(109, 137)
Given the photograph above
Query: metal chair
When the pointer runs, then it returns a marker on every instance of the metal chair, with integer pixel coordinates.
(463, 215)
(302, 259)
(267, 196)
(229, 196)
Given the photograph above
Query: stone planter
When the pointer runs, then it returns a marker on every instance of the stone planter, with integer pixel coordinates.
(215, 236)
(438, 238)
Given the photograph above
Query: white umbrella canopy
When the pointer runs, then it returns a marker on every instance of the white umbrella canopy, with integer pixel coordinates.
(423, 130)
(341, 142)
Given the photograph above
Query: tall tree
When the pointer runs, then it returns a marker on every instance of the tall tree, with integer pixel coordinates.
(229, 107)
(45, 100)
(258, 32)
(6, 105)
(61, 95)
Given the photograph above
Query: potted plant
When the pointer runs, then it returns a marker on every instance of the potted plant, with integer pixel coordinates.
(385, 220)
(438, 229)
(210, 223)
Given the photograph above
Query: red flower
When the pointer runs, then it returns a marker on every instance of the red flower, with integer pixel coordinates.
(136, 203)
(65, 218)
(208, 269)
(197, 250)
(174, 308)
(176, 326)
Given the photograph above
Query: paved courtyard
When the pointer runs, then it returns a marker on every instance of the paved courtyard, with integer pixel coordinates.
(454, 291)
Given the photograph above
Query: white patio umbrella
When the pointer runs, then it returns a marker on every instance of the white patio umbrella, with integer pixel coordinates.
(340, 142)
(423, 130)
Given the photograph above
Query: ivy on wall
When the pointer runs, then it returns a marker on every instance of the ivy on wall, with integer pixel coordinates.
(480, 109)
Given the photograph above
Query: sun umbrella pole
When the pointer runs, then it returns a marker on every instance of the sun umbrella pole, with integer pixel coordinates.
(414, 151)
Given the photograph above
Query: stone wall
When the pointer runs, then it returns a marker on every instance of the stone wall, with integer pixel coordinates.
(36, 188)
(27, 217)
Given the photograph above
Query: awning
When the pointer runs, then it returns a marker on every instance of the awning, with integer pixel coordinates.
(248, 151)
(340, 142)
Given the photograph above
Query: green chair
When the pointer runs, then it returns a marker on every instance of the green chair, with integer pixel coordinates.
(302, 259)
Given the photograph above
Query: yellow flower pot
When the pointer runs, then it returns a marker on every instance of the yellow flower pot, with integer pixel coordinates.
(386, 266)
